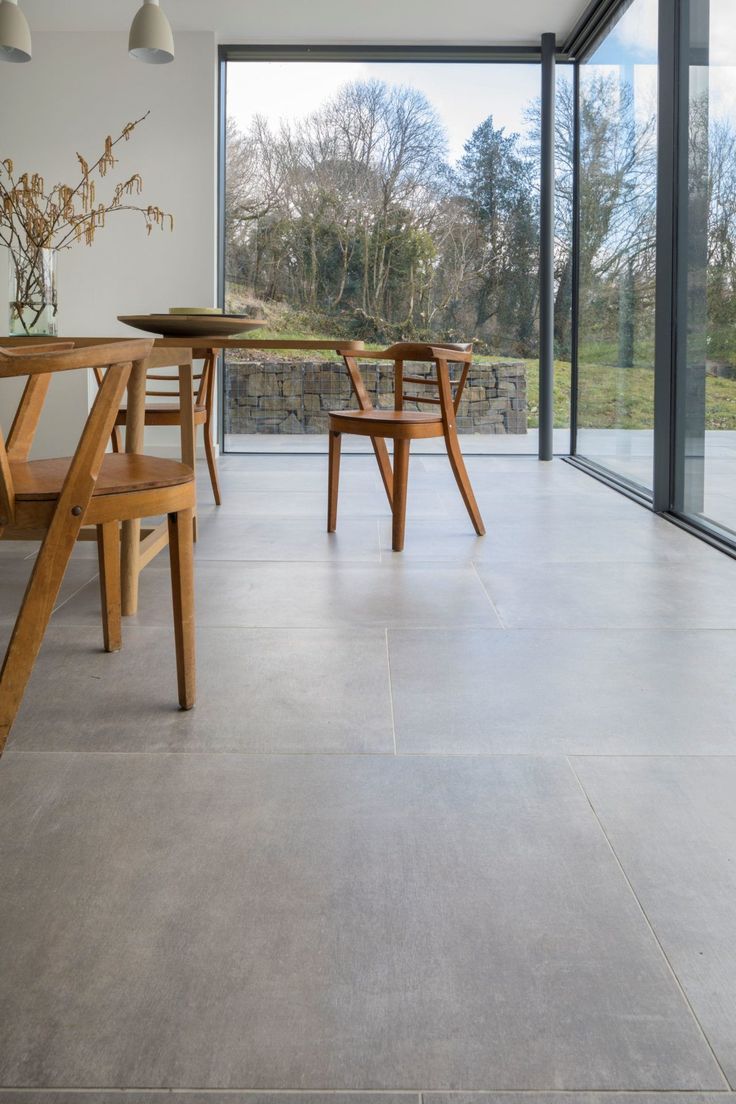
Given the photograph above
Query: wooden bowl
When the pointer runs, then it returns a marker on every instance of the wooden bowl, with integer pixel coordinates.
(192, 325)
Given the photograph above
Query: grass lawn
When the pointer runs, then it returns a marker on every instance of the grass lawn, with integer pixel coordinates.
(610, 396)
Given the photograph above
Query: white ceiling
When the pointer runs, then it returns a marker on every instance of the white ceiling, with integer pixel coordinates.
(497, 22)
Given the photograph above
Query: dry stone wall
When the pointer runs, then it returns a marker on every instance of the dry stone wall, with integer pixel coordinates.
(295, 396)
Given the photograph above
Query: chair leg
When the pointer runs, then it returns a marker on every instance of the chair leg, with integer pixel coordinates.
(384, 466)
(400, 482)
(131, 567)
(117, 439)
(460, 472)
(209, 451)
(181, 552)
(333, 479)
(108, 553)
(30, 626)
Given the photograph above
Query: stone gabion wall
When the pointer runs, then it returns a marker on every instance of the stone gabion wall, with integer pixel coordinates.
(295, 396)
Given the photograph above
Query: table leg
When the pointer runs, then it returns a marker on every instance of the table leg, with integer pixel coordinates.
(188, 430)
(131, 530)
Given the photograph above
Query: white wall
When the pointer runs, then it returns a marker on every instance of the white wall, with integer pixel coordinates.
(77, 89)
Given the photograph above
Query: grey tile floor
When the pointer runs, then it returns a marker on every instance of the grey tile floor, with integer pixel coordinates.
(458, 824)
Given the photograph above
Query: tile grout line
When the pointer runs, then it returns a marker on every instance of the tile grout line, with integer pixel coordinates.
(648, 922)
(419, 1095)
(95, 578)
(501, 621)
(390, 690)
(266, 753)
(351, 626)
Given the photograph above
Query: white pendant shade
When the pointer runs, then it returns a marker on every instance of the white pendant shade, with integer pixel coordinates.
(15, 35)
(150, 39)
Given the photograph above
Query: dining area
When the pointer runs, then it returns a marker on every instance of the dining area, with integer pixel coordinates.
(366, 704)
(102, 496)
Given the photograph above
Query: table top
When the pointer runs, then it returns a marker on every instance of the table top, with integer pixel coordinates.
(199, 342)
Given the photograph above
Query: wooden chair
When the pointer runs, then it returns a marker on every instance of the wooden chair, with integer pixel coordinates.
(169, 413)
(404, 426)
(54, 499)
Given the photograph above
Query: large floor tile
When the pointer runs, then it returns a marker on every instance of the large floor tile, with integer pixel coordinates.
(324, 922)
(305, 504)
(451, 540)
(288, 463)
(351, 504)
(672, 823)
(546, 507)
(270, 690)
(122, 1096)
(15, 571)
(542, 534)
(310, 479)
(500, 463)
(586, 534)
(515, 476)
(572, 1098)
(31, 1096)
(697, 595)
(226, 537)
(17, 550)
(310, 594)
(550, 692)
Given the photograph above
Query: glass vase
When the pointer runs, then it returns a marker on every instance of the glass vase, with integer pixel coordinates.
(32, 287)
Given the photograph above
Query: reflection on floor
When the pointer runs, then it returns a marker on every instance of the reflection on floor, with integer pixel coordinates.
(456, 820)
(629, 453)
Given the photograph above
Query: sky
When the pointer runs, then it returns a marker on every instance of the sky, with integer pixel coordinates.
(633, 42)
(463, 94)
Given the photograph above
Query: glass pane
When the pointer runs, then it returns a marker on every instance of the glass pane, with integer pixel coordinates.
(707, 396)
(564, 213)
(618, 151)
(389, 201)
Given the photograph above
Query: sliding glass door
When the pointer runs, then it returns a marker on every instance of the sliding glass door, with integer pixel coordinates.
(617, 236)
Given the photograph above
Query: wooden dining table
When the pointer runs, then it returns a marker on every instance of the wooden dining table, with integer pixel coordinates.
(139, 546)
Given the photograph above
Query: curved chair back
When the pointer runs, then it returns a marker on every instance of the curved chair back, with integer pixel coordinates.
(449, 390)
(39, 364)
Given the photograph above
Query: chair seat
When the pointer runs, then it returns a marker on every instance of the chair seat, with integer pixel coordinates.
(121, 473)
(389, 416)
(387, 423)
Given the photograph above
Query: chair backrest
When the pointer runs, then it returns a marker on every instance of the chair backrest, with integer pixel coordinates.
(156, 374)
(113, 360)
(449, 390)
(166, 384)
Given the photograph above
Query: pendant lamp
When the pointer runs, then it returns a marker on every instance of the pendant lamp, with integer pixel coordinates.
(15, 35)
(151, 39)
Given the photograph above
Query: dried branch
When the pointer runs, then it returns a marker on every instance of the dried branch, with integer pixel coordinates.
(32, 219)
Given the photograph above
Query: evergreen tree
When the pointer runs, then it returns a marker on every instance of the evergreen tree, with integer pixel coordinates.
(497, 181)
